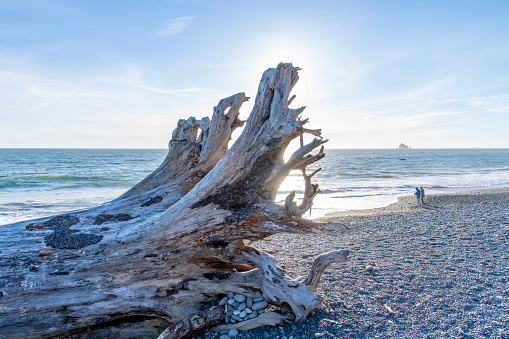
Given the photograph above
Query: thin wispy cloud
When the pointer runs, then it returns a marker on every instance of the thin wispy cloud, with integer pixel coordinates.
(174, 26)
(400, 122)
(382, 121)
(51, 100)
(185, 92)
(494, 103)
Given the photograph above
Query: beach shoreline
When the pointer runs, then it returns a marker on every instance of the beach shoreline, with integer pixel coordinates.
(408, 204)
(441, 269)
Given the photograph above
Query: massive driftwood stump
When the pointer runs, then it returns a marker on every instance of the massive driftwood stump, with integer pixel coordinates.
(176, 241)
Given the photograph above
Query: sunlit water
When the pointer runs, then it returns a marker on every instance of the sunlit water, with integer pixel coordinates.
(42, 182)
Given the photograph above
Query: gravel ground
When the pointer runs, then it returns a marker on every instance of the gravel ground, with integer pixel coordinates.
(443, 270)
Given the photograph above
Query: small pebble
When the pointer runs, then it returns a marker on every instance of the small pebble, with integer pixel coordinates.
(223, 301)
(236, 318)
(252, 315)
(231, 301)
(242, 307)
(243, 314)
(259, 305)
(249, 302)
(236, 312)
(240, 298)
(225, 336)
(235, 304)
(233, 332)
(230, 295)
(248, 310)
(261, 311)
(369, 268)
(257, 299)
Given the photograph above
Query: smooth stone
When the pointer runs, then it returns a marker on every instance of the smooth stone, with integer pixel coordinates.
(252, 315)
(243, 314)
(248, 310)
(236, 318)
(233, 332)
(257, 299)
(227, 319)
(249, 302)
(231, 308)
(229, 313)
(242, 307)
(240, 298)
(233, 321)
(223, 301)
(236, 312)
(231, 301)
(235, 304)
(225, 336)
(261, 311)
(369, 268)
(259, 305)
(230, 295)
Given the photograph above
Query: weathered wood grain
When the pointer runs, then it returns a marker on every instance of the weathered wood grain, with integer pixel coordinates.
(176, 241)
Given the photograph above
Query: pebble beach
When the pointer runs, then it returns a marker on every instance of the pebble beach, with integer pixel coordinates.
(440, 270)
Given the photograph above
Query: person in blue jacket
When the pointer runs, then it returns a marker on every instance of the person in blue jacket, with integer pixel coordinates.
(418, 196)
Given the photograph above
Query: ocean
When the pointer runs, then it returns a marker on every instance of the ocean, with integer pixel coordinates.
(37, 183)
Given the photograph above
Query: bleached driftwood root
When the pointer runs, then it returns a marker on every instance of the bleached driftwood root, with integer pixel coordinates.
(194, 324)
(321, 263)
(177, 240)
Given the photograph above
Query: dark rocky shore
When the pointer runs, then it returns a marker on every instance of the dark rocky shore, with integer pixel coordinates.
(437, 271)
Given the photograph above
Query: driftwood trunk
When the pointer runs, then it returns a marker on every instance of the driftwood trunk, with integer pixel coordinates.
(177, 241)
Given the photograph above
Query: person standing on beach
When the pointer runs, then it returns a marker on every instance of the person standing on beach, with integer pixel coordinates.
(422, 195)
(418, 196)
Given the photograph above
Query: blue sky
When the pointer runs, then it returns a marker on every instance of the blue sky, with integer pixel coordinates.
(374, 73)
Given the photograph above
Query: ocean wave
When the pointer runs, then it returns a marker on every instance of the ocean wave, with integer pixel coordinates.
(63, 181)
(489, 170)
(62, 177)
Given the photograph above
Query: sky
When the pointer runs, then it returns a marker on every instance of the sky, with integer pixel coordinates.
(120, 74)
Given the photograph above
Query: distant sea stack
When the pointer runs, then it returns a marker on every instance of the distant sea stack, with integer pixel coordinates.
(403, 146)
